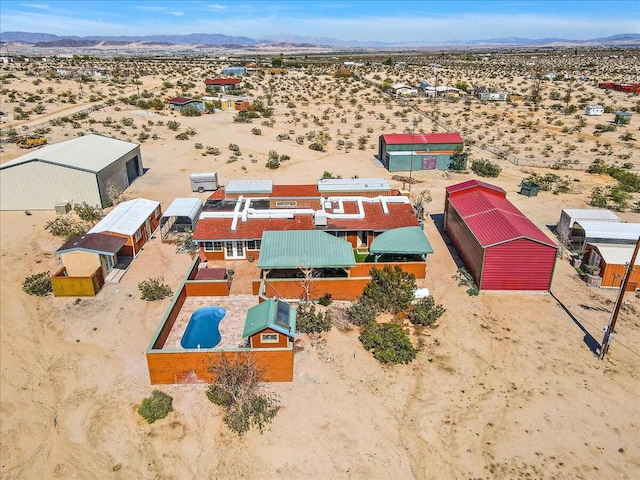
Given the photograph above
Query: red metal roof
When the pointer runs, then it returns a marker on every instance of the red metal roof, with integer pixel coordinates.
(429, 138)
(179, 100)
(222, 81)
(469, 184)
(493, 219)
(400, 215)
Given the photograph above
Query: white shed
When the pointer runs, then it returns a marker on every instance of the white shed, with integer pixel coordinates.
(88, 169)
(594, 110)
(606, 232)
(569, 216)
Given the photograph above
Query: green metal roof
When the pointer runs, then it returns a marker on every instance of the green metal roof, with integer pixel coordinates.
(304, 249)
(273, 314)
(401, 240)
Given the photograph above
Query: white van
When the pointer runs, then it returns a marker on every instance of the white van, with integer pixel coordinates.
(201, 182)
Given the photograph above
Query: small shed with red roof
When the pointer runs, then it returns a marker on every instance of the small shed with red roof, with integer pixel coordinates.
(221, 84)
(500, 247)
(401, 152)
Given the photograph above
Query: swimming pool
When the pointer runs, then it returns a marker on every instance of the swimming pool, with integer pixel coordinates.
(203, 328)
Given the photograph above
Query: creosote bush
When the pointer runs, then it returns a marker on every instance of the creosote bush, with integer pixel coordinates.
(66, 227)
(154, 289)
(38, 284)
(485, 168)
(87, 212)
(425, 312)
(155, 407)
(389, 342)
(310, 321)
(239, 390)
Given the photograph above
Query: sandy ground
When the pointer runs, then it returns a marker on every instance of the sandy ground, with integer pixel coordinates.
(505, 387)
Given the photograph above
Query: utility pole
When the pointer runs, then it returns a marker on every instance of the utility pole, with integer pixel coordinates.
(608, 332)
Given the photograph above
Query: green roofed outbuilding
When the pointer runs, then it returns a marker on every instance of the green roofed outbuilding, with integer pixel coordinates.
(403, 241)
(270, 324)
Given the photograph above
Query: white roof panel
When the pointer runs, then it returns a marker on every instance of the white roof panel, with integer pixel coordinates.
(184, 207)
(352, 184)
(610, 230)
(616, 254)
(91, 153)
(249, 186)
(127, 217)
(576, 214)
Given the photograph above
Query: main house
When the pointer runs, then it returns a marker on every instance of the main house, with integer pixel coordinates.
(333, 232)
(400, 152)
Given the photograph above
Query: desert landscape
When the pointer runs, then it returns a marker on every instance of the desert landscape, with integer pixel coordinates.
(505, 386)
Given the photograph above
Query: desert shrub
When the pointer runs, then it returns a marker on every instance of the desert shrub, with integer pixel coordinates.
(126, 121)
(389, 342)
(310, 321)
(325, 300)
(213, 151)
(182, 136)
(391, 288)
(272, 164)
(238, 389)
(485, 168)
(465, 279)
(156, 407)
(87, 212)
(38, 284)
(66, 227)
(598, 198)
(190, 111)
(425, 312)
(283, 136)
(316, 146)
(363, 311)
(154, 289)
(256, 131)
(173, 125)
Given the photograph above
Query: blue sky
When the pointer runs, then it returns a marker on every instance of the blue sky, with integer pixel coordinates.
(387, 21)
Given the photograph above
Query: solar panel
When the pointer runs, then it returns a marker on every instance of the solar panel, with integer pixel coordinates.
(282, 314)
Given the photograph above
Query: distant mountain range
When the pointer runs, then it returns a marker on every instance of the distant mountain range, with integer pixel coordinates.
(49, 40)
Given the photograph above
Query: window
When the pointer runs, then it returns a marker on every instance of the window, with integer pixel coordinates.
(138, 234)
(254, 244)
(157, 211)
(212, 246)
(269, 338)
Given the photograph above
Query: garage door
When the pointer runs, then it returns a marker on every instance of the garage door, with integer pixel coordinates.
(132, 170)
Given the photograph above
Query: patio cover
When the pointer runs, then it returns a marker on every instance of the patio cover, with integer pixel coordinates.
(401, 241)
(304, 249)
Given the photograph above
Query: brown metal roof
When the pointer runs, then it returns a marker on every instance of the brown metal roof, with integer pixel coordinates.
(94, 242)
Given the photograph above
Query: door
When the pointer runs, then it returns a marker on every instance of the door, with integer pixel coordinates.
(234, 250)
(362, 239)
(132, 170)
(147, 228)
(429, 162)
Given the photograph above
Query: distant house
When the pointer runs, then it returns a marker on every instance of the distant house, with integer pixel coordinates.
(549, 76)
(513, 97)
(492, 96)
(134, 220)
(178, 103)
(401, 89)
(252, 67)
(235, 71)
(622, 118)
(594, 110)
(420, 151)
(221, 84)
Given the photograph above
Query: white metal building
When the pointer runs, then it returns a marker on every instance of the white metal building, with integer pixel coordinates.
(594, 110)
(182, 214)
(83, 169)
(604, 232)
(569, 216)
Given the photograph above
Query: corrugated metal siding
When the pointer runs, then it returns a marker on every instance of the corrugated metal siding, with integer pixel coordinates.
(40, 186)
(116, 173)
(518, 265)
(465, 242)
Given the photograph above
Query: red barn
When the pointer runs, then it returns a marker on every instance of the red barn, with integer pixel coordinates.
(500, 247)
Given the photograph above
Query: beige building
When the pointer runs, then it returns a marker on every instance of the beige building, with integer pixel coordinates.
(85, 169)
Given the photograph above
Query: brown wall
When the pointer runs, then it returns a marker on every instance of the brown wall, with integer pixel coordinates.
(364, 269)
(206, 288)
(191, 367)
(170, 318)
(76, 286)
(80, 263)
(340, 288)
(212, 255)
(256, 343)
(612, 276)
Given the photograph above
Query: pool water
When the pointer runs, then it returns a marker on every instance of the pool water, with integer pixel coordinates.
(203, 328)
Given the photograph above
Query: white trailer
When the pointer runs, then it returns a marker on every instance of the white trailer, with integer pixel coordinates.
(201, 182)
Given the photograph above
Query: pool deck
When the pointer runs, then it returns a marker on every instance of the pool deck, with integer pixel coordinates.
(231, 325)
